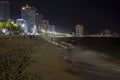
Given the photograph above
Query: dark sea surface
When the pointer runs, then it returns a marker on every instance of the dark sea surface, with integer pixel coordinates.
(95, 58)
(108, 46)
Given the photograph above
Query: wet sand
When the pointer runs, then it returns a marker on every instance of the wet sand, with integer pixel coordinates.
(47, 63)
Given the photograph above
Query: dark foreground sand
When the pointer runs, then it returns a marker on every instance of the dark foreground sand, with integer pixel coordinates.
(32, 59)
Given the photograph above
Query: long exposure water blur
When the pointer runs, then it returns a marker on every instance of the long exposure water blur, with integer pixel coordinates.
(95, 58)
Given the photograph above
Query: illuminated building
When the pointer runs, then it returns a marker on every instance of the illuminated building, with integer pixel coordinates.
(39, 19)
(44, 25)
(51, 29)
(4, 10)
(106, 33)
(29, 14)
(22, 24)
(79, 31)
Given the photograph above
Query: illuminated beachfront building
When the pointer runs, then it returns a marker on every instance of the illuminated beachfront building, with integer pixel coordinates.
(22, 24)
(29, 15)
(4, 10)
(51, 29)
(44, 26)
(39, 19)
(79, 31)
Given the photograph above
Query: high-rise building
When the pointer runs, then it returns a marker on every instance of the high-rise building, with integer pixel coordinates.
(79, 31)
(22, 24)
(4, 10)
(39, 19)
(51, 29)
(29, 14)
(44, 25)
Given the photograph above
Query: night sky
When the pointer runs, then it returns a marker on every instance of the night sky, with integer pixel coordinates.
(94, 15)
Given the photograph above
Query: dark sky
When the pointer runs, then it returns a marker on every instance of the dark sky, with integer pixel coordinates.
(94, 15)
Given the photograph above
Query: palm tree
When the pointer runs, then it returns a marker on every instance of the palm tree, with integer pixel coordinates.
(8, 24)
(1, 25)
(11, 26)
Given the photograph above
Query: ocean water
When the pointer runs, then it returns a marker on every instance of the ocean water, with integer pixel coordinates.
(95, 65)
(97, 59)
(94, 58)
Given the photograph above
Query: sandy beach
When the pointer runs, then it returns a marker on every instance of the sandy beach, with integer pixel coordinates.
(33, 59)
(48, 63)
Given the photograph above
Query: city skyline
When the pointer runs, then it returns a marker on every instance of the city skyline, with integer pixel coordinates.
(94, 16)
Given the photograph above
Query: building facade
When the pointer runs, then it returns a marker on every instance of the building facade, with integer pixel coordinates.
(4, 10)
(79, 31)
(22, 24)
(51, 29)
(39, 19)
(29, 15)
(44, 25)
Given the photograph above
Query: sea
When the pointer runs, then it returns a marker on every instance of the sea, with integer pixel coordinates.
(94, 58)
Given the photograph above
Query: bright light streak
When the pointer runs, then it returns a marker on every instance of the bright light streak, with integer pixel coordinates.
(42, 30)
(12, 22)
(49, 32)
(68, 35)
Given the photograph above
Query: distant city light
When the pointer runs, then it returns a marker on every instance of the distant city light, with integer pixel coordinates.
(4, 30)
(23, 8)
(26, 6)
(23, 25)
